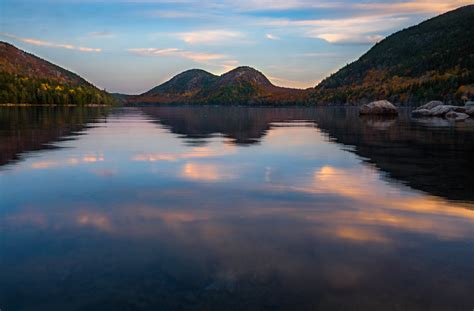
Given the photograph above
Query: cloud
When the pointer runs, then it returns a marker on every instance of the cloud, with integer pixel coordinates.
(193, 153)
(363, 23)
(46, 164)
(209, 36)
(322, 54)
(101, 34)
(154, 51)
(211, 59)
(278, 5)
(349, 38)
(50, 44)
(177, 14)
(228, 65)
(200, 57)
(205, 172)
(291, 83)
(269, 36)
(356, 30)
(245, 5)
(194, 56)
(95, 220)
(86, 159)
(352, 30)
(366, 23)
(412, 7)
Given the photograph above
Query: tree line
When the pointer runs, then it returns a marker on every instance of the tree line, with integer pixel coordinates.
(16, 89)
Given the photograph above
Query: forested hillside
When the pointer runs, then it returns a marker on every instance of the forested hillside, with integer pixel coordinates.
(433, 60)
(27, 79)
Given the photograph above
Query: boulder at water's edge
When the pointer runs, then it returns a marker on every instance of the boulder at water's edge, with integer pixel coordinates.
(380, 107)
(456, 116)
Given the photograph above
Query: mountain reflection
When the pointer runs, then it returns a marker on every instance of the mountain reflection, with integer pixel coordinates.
(25, 129)
(242, 125)
(434, 159)
(437, 160)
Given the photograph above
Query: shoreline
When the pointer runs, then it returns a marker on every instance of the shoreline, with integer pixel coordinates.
(39, 105)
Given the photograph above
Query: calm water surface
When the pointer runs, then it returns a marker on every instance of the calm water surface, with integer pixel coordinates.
(226, 208)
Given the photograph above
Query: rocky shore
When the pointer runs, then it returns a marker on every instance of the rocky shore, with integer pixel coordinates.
(440, 110)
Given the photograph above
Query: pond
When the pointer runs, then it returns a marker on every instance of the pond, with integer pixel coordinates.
(231, 208)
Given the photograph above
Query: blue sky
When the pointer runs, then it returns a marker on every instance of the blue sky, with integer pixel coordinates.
(130, 46)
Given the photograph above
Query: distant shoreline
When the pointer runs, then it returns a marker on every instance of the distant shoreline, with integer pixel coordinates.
(42, 105)
(269, 105)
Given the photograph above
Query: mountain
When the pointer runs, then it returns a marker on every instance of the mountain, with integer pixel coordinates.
(28, 79)
(122, 99)
(242, 85)
(182, 87)
(432, 60)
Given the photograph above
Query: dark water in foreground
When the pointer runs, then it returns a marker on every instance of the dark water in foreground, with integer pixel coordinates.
(234, 208)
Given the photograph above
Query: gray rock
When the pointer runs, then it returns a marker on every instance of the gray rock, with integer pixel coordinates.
(430, 105)
(419, 113)
(470, 111)
(380, 107)
(440, 111)
(437, 111)
(456, 116)
(469, 104)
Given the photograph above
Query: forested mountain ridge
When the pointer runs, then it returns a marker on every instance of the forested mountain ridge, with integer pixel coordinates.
(28, 79)
(185, 82)
(180, 88)
(432, 60)
(242, 85)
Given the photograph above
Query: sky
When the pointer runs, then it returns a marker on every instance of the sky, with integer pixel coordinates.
(130, 46)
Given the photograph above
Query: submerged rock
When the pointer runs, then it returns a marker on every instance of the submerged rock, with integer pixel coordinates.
(430, 105)
(456, 116)
(434, 122)
(469, 104)
(380, 107)
(459, 109)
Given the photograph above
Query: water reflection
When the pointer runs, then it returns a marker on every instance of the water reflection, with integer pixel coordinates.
(34, 128)
(133, 216)
(242, 125)
(426, 156)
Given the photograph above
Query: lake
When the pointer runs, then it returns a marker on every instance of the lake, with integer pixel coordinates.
(234, 208)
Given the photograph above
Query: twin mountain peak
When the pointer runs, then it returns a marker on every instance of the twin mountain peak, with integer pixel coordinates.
(242, 85)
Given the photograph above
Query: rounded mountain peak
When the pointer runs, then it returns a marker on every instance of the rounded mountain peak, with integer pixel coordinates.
(248, 74)
(193, 72)
(185, 82)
